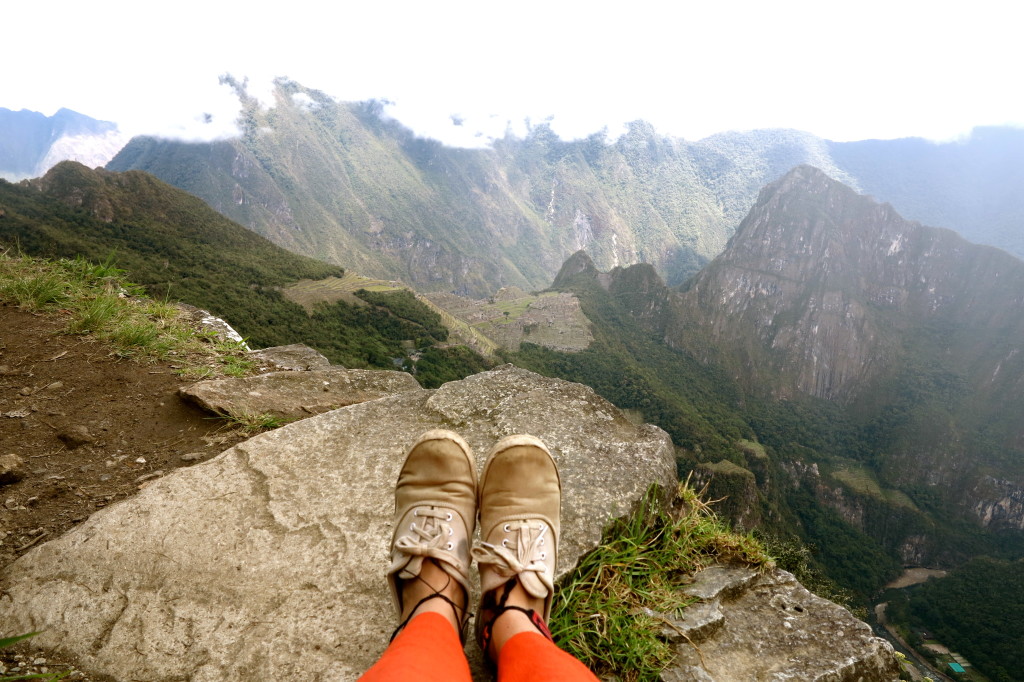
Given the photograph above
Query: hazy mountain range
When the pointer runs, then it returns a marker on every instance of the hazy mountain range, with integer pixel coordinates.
(343, 183)
(31, 143)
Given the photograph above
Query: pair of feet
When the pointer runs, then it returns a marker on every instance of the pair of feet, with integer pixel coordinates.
(437, 504)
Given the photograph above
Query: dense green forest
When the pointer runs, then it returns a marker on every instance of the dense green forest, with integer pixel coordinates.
(977, 611)
(709, 420)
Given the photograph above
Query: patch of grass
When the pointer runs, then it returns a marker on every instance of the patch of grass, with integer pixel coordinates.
(98, 301)
(35, 290)
(48, 677)
(608, 612)
(95, 314)
(254, 423)
(135, 337)
(235, 366)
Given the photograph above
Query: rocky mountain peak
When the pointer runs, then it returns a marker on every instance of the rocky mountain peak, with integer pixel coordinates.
(577, 265)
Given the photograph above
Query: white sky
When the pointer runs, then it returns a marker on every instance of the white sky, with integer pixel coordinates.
(856, 70)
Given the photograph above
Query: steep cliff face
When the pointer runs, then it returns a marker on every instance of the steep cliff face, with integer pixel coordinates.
(829, 290)
(914, 332)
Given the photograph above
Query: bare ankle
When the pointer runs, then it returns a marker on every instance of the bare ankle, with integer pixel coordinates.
(515, 620)
(433, 580)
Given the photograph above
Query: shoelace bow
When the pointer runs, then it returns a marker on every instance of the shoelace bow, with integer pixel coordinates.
(433, 538)
(527, 555)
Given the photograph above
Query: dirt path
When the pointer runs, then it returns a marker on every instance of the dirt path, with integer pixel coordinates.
(90, 429)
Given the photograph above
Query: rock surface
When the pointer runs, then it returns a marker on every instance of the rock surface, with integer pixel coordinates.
(294, 357)
(12, 468)
(297, 395)
(267, 562)
(752, 626)
(211, 323)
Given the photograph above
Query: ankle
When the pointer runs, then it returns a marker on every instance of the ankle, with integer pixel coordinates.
(516, 619)
(433, 580)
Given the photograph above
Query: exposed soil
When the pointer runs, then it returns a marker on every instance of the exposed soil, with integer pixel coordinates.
(90, 428)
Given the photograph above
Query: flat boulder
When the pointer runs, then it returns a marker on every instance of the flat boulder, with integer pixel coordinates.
(297, 395)
(294, 357)
(267, 562)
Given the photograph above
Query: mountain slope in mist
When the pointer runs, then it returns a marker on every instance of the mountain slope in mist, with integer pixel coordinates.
(31, 143)
(341, 182)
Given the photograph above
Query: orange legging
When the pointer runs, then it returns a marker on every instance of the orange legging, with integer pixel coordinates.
(429, 650)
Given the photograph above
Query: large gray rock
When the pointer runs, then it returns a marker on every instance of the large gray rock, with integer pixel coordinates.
(297, 395)
(267, 562)
(754, 626)
(294, 357)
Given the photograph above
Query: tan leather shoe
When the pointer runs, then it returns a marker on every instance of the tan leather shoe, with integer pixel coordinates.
(520, 505)
(435, 511)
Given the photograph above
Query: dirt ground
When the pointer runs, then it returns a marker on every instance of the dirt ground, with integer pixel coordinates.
(90, 429)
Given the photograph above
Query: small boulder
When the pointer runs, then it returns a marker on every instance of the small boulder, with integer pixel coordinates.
(75, 437)
(12, 469)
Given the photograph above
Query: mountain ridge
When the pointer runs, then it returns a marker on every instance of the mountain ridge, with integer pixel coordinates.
(342, 182)
(32, 143)
(910, 331)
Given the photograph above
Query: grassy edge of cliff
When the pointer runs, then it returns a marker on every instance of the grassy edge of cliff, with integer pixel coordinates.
(97, 300)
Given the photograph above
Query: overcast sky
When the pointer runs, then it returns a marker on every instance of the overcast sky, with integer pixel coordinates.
(843, 71)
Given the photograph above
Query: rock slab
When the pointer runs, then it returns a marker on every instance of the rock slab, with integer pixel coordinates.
(297, 395)
(294, 357)
(769, 627)
(267, 562)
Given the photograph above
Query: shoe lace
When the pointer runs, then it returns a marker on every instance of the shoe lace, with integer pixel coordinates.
(432, 537)
(528, 553)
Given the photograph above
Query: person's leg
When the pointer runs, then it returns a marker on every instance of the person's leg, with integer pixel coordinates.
(520, 509)
(521, 645)
(435, 515)
(428, 646)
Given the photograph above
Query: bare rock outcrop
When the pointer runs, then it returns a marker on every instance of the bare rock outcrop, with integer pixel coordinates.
(267, 561)
(297, 395)
(753, 626)
(294, 357)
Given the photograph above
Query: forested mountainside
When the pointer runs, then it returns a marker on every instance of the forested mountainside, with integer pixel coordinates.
(180, 249)
(341, 182)
(823, 292)
(344, 183)
(31, 143)
(878, 359)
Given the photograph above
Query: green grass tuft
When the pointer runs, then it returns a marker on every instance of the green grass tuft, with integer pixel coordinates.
(97, 301)
(46, 677)
(254, 423)
(608, 612)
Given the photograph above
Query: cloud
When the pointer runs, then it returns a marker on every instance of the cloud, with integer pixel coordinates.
(305, 102)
